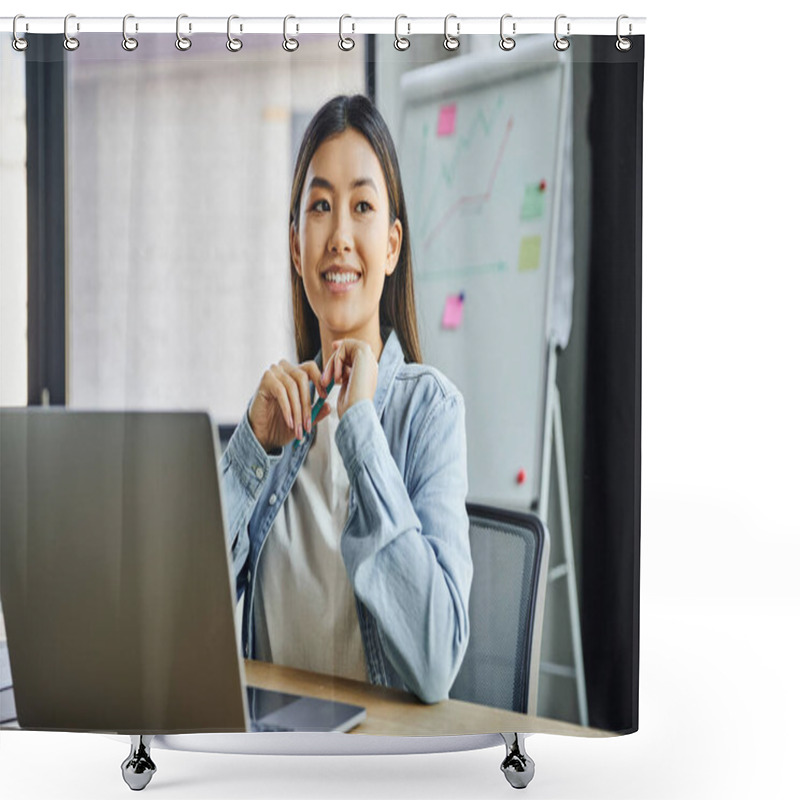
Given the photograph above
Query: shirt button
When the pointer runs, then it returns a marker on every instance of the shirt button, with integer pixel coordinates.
(272, 499)
(259, 473)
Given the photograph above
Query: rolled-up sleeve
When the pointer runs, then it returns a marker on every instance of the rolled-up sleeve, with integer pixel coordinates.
(244, 469)
(406, 544)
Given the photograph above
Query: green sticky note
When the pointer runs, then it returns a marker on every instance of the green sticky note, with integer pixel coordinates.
(533, 202)
(530, 248)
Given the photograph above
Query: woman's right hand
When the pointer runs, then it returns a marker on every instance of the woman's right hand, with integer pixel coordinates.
(281, 408)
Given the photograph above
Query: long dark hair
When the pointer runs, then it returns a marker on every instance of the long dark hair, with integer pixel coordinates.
(397, 307)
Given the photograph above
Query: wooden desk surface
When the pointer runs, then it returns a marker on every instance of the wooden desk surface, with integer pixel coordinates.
(391, 712)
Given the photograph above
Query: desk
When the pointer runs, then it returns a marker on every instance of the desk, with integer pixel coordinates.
(391, 712)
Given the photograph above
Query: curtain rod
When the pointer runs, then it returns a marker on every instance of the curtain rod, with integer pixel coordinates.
(403, 25)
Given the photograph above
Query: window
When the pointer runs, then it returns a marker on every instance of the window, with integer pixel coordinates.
(13, 231)
(177, 204)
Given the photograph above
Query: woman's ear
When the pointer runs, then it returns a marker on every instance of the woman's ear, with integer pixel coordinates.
(294, 247)
(395, 243)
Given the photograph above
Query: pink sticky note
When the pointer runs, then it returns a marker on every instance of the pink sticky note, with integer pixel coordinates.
(447, 120)
(453, 312)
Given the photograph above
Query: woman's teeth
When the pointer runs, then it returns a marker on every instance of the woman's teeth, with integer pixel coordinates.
(338, 277)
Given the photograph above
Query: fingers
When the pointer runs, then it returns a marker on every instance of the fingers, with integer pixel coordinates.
(344, 356)
(283, 403)
(337, 365)
(313, 372)
(283, 386)
(275, 389)
(300, 396)
(284, 395)
(329, 372)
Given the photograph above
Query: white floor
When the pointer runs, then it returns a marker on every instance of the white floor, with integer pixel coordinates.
(719, 700)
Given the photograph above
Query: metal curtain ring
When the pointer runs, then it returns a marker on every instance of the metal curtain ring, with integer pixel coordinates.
(560, 43)
(400, 42)
(623, 44)
(507, 42)
(70, 42)
(345, 43)
(128, 42)
(451, 42)
(233, 44)
(181, 42)
(19, 43)
(289, 44)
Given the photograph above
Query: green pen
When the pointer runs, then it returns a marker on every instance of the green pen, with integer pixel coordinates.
(317, 407)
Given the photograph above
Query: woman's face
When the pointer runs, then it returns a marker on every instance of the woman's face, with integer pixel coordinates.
(345, 247)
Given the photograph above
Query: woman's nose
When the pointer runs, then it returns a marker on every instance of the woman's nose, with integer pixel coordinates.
(341, 238)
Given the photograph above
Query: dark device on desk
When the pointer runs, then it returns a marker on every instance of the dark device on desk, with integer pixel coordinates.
(116, 580)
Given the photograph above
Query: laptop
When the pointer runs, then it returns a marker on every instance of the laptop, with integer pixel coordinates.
(116, 580)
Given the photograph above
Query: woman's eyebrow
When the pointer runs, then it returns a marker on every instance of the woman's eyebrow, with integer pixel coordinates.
(321, 183)
(363, 182)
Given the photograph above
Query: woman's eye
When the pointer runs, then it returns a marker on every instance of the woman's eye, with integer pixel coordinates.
(363, 206)
(320, 205)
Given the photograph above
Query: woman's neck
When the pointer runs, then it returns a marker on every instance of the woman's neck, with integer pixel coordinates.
(372, 338)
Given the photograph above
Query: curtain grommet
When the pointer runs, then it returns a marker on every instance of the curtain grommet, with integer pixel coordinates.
(19, 43)
(129, 43)
(401, 42)
(507, 42)
(182, 42)
(345, 42)
(451, 42)
(289, 44)
(70, 42)
(622, 44)
(233, 44)
(561, 43)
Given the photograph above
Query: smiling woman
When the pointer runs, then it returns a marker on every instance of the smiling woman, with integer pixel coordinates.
(352, 548)
(345, 242)
(354, 129)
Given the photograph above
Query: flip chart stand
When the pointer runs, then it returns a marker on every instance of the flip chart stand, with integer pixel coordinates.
(554, 432)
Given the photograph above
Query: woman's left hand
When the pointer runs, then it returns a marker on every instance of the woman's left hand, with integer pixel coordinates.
(354, 366)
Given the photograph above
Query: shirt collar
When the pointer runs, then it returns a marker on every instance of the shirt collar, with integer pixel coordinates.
(390, 361)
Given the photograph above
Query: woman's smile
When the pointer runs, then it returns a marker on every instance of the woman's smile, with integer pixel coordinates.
(340, 280)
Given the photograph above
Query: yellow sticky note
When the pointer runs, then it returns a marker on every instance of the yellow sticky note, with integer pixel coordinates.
(530, 248)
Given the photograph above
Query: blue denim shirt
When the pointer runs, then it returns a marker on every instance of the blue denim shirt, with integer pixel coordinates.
(405, 544)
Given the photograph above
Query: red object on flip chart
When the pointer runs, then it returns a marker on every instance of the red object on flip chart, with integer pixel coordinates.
(521, 476)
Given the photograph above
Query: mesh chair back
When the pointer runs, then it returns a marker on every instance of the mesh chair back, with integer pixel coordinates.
(510, 552)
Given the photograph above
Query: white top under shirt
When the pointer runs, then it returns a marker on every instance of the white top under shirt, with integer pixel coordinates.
(304, 598)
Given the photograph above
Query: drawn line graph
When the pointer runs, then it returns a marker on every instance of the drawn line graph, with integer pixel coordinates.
(465, 200)
(481, 125)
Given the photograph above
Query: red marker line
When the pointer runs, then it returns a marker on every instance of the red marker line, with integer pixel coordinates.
(473, 198)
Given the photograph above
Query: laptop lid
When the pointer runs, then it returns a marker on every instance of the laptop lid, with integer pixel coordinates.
(114, 573)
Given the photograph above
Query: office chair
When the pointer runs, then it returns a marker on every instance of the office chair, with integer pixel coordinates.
(510, 554)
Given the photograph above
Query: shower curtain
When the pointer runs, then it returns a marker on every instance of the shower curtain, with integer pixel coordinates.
(159, 267)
